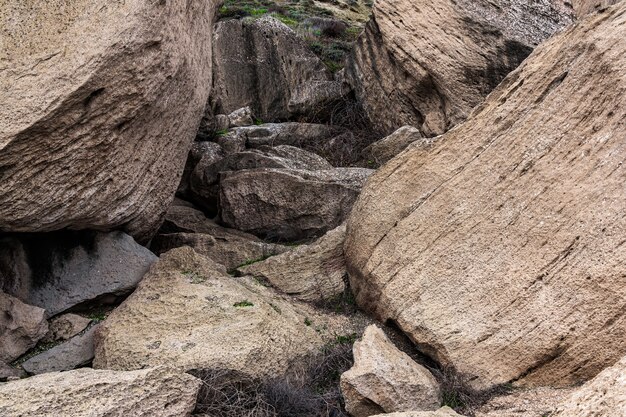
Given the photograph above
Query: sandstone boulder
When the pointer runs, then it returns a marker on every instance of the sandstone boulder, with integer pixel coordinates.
(603, 396)
(57, 271)
(442, 412)
(584, 7)
(499, 248)
(156, 392)
(91, 97)
(408, 71)
(312, 272)
(289, 204)
(72, 354)
(65, 327)
(264, 64)
(385, 379)
(185, 226)
(21, 327)
(385, 149)
(189, 314)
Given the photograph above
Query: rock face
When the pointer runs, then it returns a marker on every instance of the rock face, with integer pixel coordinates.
(189, 314)
(264, 64)
(385, 149)
(145, 393)
(91, 96)
(584, 7)
(603, 396)
(385, 379)
(76, 352)
(407, 71)
(290, 133)
(21, 326)
(185, 226)
(442, 412)
(56, 271)
(499, 249)
(312, 272)
(289, 204)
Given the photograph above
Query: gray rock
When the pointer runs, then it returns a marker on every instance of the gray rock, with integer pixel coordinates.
(8, 372)
(65, 327)
(203, 154)
(186, 226)
(289, 204)
(72, 354)
(21, 327)
(232, 141)
(294, 134)
(241, 117)
(57, 271)
(385, 149)
(264, 64)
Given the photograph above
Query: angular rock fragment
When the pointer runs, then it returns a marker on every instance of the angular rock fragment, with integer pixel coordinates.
(21, 327)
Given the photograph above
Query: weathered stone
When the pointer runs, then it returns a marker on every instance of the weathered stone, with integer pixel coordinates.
(72, 354)
(442, 412)
(312, 272)
(189, 314)
(294, 134)
(264, 64)
(186, 226)
(408, 71)
(156, 392)
(65, 327)
(385, 149)
(241, 117)
(584, 7)
(202, 154)
(499, 249)
(57, 271)
(524, 402)
(21, 327)
(385, 379)
(8, 372)
(289, 204)
(603, 396)
(99, 107)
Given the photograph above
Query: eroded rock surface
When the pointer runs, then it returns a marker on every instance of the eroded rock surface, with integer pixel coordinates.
(387, 148)
(499, 248)
(21, 327)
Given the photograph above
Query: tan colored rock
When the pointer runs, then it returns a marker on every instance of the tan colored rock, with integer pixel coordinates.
(603, 396)
(442, 412)
(499, 249)
(385, 149)
(523, 402)
(65, 327)
(186, 226)
(289, 204)
(91, 97)
(584, 7)
(21, 327)
(312, 272)
(157, 392)
(384, 379)
(408, 71)
(187, 313)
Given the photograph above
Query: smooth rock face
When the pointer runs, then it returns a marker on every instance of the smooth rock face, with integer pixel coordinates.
(189, 314)
(603, 396)
(185, 226)
(76, 352)
(262, 63)
(156, 392)
(385, 149)
(499, 248)
(21, 327)
(57, 271)
(408, 71)
(442, 412)
(312, 272)
(289, 204)
(385, 379)
(65, 327)
(91, 96)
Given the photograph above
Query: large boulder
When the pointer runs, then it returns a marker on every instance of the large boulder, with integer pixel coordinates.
(57, 271)
(91, 97)
(603, 396)
(314, 272)
(186, 226)
(499, 248)
(384, 379)
(289, 204)
(584, 7)
(407, 70)
(156, 392)
(264, 64)
(21, 327)
(188, 313)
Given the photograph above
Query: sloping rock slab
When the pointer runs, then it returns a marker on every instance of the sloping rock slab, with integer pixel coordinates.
(156, 392)
(21, 326)
(91, 96)
(499, 249)
(189, 314)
